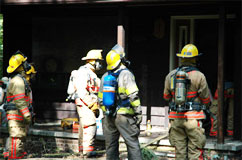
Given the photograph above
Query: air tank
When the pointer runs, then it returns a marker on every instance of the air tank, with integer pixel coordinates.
(181, 89)
(109, 85)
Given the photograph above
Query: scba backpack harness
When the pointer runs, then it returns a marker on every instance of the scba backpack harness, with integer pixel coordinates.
(110, 87)
(11, 106)
(180, 84)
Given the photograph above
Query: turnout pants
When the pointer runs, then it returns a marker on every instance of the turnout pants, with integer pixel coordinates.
(126, 126)
(15, 149)
(214, 109)
(229, 104)
(15, 144)
(87, 129)
(230, 118)
(187, 135)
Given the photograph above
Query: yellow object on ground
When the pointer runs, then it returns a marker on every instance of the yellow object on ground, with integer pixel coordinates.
(66, 123)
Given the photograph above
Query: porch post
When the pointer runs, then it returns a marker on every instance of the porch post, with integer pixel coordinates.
(220, 86)
(172, 44)
(120, 29)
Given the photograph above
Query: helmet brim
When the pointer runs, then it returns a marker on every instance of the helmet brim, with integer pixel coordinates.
(86, 58)
(181, 56)
(10, 69)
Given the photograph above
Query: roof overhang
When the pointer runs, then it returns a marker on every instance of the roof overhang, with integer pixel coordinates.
(29, 2)
(33, 2)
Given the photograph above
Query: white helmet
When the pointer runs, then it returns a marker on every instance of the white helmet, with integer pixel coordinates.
(94, 54)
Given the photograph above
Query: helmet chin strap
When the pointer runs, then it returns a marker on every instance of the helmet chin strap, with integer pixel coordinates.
(92, 62)
(20, 68)
(116, 68)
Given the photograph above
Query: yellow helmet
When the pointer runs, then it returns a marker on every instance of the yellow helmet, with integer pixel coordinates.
(113, 60)
(15, 61)
(32, 70)
(189, 51)
(94, 54)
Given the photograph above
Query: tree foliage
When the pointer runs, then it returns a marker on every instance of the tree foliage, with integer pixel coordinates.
(1, 45)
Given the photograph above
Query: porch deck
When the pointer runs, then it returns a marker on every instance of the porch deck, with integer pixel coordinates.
(162, 147)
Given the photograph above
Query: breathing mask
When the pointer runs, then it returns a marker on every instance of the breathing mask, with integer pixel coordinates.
(98, 65)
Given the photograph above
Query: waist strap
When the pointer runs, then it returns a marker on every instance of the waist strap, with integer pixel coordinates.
(114, 109)
(123, 103)
(188, 106)
(10, 106)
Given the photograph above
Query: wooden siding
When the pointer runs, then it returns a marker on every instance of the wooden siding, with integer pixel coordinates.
(159, 117)
(55, 111)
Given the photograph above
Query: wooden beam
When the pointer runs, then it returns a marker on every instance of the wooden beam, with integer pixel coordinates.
(121, 36)
(120, 28)
(221, 44)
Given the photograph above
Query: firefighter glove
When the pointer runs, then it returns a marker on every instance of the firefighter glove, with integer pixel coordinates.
(138, 114)
(27, 120)
(95, 109)
(138, 119)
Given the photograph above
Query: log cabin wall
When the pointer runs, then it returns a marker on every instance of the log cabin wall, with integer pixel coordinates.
(56, 35)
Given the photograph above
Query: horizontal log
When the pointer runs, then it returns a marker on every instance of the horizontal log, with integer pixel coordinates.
(56, 115)
(54, 106)
(159, 111)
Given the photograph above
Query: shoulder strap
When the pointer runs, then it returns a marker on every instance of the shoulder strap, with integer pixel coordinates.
(177, 69)
(185, 69)
(27, 87)
(117, 73)
(189, 69)
(88, 75)
(4, 97)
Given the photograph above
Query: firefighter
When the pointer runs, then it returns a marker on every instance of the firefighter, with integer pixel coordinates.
(86, 85)
(187, 92)
(18, 101)
(124, 115)
(30, 75)
(229, 106)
